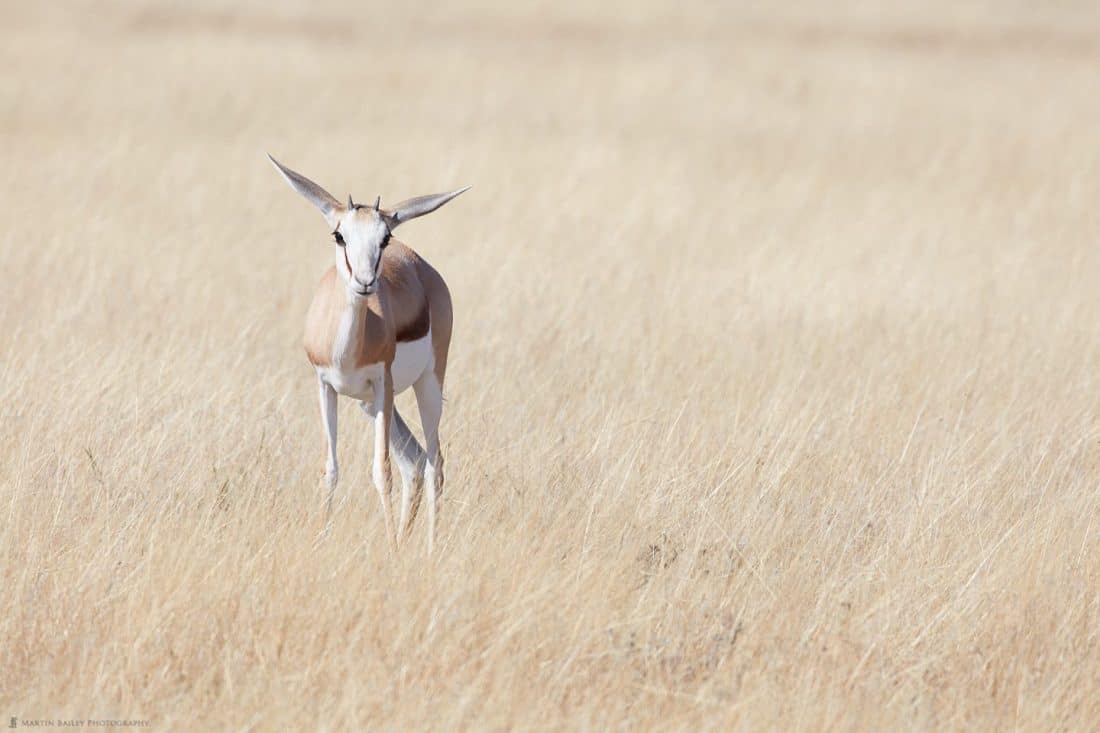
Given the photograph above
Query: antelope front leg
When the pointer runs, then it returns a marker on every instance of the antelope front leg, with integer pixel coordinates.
(383, 417)
(328, 416)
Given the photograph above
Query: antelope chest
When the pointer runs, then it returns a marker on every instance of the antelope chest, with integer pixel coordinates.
(355, 382)
(412, 359)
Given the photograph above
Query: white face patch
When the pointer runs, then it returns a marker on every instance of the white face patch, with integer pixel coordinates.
(364, 233)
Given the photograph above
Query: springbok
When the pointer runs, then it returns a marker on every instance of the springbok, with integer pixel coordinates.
(380, 322)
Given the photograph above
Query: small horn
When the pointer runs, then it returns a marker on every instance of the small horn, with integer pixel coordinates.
(351, 204)
(377, 201)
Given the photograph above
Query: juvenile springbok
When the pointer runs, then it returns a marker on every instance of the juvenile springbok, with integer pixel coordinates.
(380, 322)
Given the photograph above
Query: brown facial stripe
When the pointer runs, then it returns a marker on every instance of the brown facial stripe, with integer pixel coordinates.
(346, 263)
(416, 328)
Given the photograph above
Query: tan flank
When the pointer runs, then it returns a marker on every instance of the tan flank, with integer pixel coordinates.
(414, 300)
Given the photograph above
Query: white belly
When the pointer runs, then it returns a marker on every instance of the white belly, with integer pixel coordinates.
(412, 359)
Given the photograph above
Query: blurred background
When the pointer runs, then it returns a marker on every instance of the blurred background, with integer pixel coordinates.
(771, 401)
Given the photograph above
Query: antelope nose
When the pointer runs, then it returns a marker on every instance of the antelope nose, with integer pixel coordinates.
(364, 288)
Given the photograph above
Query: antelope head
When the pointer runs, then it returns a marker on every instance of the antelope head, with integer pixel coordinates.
(360, 232)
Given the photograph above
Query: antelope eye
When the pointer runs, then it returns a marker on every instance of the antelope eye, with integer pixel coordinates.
(385, 241)
(339, 238)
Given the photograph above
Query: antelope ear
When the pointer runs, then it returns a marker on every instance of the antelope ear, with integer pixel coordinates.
(419, 206)
(319, 197)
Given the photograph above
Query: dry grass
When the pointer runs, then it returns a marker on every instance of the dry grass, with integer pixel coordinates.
(773, 399)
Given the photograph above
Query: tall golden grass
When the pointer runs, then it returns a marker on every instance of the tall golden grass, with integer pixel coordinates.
(772, 400)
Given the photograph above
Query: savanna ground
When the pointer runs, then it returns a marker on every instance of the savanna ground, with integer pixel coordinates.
(772, 401)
